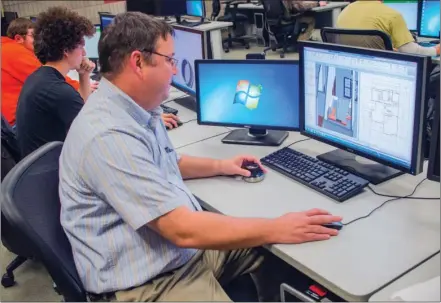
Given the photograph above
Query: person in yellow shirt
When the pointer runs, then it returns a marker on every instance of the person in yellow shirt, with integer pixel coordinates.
(375, 15)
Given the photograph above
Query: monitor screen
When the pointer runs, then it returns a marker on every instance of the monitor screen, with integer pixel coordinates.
(91, 44)
(106, 20)
(195, 8)
(409, 11)
(185, 77)
(429, 19)
(365, 101)
(250, 93)
(149, 7)
(33, 19)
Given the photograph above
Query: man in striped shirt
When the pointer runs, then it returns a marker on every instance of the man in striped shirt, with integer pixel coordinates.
(137, 232)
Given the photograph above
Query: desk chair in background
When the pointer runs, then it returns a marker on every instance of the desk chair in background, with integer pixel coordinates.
(238, 33)
(283, 31)
(370, 38)
(31, 204)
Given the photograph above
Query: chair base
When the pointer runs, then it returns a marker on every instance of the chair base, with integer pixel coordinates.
(8, 278)
(228, 42)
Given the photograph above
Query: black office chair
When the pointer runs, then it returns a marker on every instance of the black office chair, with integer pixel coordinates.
(16, 245)
(283, 31)
(31, 204)
(238, 32)
(370, 38)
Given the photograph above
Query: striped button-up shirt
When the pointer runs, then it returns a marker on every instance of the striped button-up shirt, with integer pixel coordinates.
(118, 172)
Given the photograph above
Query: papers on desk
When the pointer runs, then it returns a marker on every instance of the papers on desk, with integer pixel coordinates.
(428, 291)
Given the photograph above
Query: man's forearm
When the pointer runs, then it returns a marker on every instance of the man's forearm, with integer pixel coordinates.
(195, 167)
(84, 89)
(206, 230)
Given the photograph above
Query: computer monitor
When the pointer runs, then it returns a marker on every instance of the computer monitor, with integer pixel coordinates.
(159, 8)
(185, 80)
(433, 167)
(33, 19)
(259, 96)
(105, 20)
(409, 11)
(366, 102)
(195, 8)
(91, 43)
(429, 19)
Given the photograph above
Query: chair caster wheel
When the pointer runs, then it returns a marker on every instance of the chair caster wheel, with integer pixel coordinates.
(282, 56)
(226, 50)
(247, 46)
(8, 280)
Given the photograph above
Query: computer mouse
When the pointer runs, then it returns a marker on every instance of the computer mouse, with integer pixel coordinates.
(334, 225)
(257, 174)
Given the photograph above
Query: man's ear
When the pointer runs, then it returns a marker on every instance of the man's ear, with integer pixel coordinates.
(135, 61)
(18, 39)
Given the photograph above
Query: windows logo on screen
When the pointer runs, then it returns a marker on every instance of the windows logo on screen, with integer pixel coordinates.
(247, 94)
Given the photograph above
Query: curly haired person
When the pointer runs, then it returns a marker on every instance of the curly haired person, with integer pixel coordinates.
(47, 104)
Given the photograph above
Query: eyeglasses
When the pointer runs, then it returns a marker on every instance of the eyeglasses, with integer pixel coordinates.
(171, 60)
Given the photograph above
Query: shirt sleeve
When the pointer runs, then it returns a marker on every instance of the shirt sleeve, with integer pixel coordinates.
(120, 168)
(400, 35)
(67, 102)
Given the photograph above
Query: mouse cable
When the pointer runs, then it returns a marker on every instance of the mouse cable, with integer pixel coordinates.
(407, 197)
(211, 137)
(385, 202)
(297, 142)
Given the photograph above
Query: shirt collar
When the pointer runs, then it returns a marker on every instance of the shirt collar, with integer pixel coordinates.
(141, 116)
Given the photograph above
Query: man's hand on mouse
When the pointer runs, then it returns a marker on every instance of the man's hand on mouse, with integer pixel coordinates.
(233, 166)
(170, 120)
(306, 226)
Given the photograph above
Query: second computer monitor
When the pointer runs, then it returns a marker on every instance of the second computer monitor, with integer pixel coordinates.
(408, 9)
(366, 102)
(429, 17)
(260, 95)
(105, 20)
(196, 8)
(91, 43)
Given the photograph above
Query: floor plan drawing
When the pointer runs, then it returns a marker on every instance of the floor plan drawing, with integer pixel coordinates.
(384, 110)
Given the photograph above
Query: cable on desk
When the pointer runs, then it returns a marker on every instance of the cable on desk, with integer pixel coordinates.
(385, 202)
(407, 197)
(203, 139)
(191, 120)
(297, 142)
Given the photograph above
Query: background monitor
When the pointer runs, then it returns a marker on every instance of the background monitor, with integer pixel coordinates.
(33, 19)
(260, 95)
(105, 20)
(91, 44)
(367, 102)
(185, 79)
(429, 15)
(158, 8)
(409, 11)
(196, 8)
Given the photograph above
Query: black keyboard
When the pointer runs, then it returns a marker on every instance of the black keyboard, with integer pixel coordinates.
(169, 110)
(325, 178)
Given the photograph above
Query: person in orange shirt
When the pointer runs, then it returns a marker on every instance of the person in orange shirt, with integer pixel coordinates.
(18, 62)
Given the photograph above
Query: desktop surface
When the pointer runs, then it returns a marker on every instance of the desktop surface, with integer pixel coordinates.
(245, 94)
(408, 9)
(430, 19)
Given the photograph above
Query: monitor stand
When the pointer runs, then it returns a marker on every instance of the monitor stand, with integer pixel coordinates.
(254, 136)
(190, 23)
(188, 102)
(372, 171)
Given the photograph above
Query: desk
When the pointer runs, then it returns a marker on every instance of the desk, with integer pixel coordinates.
(366, 256)
(426, 271)
(212, 34)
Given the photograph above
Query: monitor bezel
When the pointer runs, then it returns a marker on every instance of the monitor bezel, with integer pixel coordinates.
(417, 15)
(193, 31)
(420, 20)
(204, 10)
(434, 144)
(105, 15)
(417, 157)
(239, 125)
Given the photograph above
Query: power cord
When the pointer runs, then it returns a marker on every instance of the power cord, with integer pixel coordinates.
(297, 142)
(392, 196)
(390, 200)
(191, 120)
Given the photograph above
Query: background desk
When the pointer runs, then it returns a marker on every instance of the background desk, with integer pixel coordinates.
(366, 256)
(426, 271)
(214, 28)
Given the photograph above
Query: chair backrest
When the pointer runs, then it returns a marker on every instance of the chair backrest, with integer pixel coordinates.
(374, 39)
(274, 11)
(31, 204)
(215, 9)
